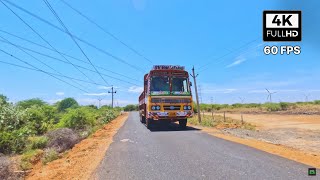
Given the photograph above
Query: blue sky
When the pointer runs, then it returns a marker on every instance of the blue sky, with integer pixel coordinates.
(179, 32)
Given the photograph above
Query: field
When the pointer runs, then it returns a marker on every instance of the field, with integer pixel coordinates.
(294, 125)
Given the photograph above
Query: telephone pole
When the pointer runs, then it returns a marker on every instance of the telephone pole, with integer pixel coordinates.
(99, 102)
(196, 89)
(112, 92)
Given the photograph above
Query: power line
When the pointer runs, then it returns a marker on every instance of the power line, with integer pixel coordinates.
(76, 37)
(66, 29)
(38, 70)
(38, 60)
(67, 55)
(42, 70)
(205, 66)
(57, 59)
(105, 31)
(43, 39)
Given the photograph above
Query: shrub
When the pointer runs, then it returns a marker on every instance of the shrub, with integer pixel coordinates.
(40, 118)
(30, 158)
(37, 142)
(78, 118)
(284, 105)
(31, 102)
(272, 107)
(107, 116)
(131, 107)
(3, 100)
(11, 118)
(67, 103)
(316, 102)
(49, 155)
(62, 139)
(14, 141)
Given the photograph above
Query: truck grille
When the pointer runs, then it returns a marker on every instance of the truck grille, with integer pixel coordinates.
(171, 108)
(167, 100)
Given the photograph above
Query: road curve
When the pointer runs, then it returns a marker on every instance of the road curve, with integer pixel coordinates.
(168, 153)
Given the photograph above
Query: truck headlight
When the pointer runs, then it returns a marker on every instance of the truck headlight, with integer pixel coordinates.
(187, 107)
(155, 107)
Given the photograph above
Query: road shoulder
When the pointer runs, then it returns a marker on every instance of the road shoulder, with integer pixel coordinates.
(307, 158)
(82, 160)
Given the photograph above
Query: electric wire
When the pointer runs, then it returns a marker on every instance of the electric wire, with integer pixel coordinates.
(67, 55)
(67, 30)
(43, 38)
(106, 31)
(11, 55)
(76, 37)
(38, 60)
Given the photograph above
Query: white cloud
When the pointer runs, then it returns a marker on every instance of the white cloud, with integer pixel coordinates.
(107, 87)
(60, 93)
(95, 94)
(135, 89)
(238, 61)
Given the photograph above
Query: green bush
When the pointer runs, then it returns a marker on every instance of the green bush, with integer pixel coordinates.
(131, 107)
(67, 103)
(29, 158)
(40, 118)
(49, 155)
(37, 142)
(78, 118)
(284, 106)
(108, 115)
(272, 106)
(14, 141)
(31, 102)
(11, 118)
(316, 102)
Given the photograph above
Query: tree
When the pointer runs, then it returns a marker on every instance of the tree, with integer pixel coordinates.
(67, 103)
(3, 99)
(131, 107)
(31, 102)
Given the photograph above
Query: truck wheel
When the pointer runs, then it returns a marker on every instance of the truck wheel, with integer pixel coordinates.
(183, 123)
(141, 118)
(149, 123)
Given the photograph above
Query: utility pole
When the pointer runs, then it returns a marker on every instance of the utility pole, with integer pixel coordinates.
(196, 89)
(212, 108)
(112, 92)
(99, 102)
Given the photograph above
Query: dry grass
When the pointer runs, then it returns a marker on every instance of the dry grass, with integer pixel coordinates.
(220, 122)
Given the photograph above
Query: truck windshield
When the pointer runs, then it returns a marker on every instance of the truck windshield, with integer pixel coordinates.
(160, 85)
(180, 85)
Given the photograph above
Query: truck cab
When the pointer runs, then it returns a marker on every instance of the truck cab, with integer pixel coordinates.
(167, 96)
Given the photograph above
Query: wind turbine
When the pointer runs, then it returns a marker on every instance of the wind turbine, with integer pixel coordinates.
(306, 97)
(270, 94)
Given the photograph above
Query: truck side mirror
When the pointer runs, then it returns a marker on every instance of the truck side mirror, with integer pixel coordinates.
(190, 83)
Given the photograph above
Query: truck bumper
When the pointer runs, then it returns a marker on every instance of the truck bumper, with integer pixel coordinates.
(171, 116)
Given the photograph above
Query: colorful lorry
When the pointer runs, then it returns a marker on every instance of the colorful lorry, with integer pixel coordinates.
(166, 96)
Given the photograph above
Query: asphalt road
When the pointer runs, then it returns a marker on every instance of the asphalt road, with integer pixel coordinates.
(170, 153)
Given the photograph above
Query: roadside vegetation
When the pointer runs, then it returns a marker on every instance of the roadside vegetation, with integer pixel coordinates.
(131, 107)
(39, 132)
(312, 107)
(220, 122)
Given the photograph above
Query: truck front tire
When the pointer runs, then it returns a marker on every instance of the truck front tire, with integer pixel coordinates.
(142, 119)
(183, 123)
(149, 123)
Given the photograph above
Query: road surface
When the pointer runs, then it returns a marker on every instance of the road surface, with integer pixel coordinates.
(170, 153)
